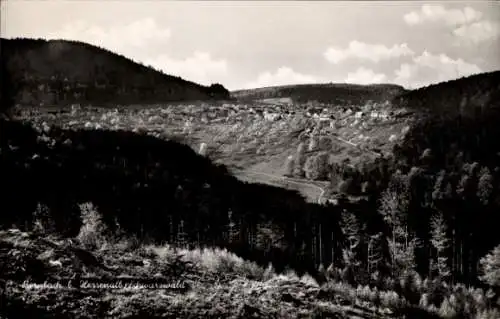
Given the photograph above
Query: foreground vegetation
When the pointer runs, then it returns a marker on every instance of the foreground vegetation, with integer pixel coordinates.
(207, 283)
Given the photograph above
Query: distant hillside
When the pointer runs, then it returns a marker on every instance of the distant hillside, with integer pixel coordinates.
(58, 72)
(468, 96)
(341, 94)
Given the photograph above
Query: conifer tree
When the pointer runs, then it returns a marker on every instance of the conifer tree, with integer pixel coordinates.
(374, 253)
(402, 243)
(490, 268)
(485, 186)
(181, 239)
(352, 233)
(232, 229)
(440, 242)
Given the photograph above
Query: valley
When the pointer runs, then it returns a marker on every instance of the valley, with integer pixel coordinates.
(253, 140)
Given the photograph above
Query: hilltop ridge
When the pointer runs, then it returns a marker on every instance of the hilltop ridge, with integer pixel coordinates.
(42, 72)
(467, 96)
(332, 93)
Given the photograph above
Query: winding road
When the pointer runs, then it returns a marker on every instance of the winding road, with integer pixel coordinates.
(313, 193)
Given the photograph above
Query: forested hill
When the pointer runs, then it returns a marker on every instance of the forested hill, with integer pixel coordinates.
(336, 93)
(468, 96)
(150, 187)
(59, 72)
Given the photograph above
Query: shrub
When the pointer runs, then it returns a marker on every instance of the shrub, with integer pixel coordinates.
(447, 310)
(390, 299)
(309, 280)
(92, 233)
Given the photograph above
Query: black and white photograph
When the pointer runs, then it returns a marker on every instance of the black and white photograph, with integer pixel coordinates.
(249, 159)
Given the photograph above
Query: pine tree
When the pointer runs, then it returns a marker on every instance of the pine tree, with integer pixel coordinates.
(181, 239)
(374, 253)
(440, 242)
(233, 232)
(352, 233)
(485, 186)
(402, 243)
(439, 185)
(490, 267)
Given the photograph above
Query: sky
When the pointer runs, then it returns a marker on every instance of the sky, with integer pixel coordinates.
(262, 43)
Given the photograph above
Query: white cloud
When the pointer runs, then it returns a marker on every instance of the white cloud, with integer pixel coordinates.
(365, 76)
(200, 67)
(365, 51)
(283, 76)
(117, 38)
(428, 68)
(478, 31)
(435, 13)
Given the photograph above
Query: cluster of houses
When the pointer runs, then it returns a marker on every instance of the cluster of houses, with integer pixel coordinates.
(327, 118)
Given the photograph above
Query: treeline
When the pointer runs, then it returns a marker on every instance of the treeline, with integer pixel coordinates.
(338, 94)
(469, 97)
(439, 198)
(58, 72)
(453, 171)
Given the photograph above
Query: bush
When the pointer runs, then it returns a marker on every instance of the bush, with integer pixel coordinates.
(390, 299)
(92, 234)
(447, 309)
